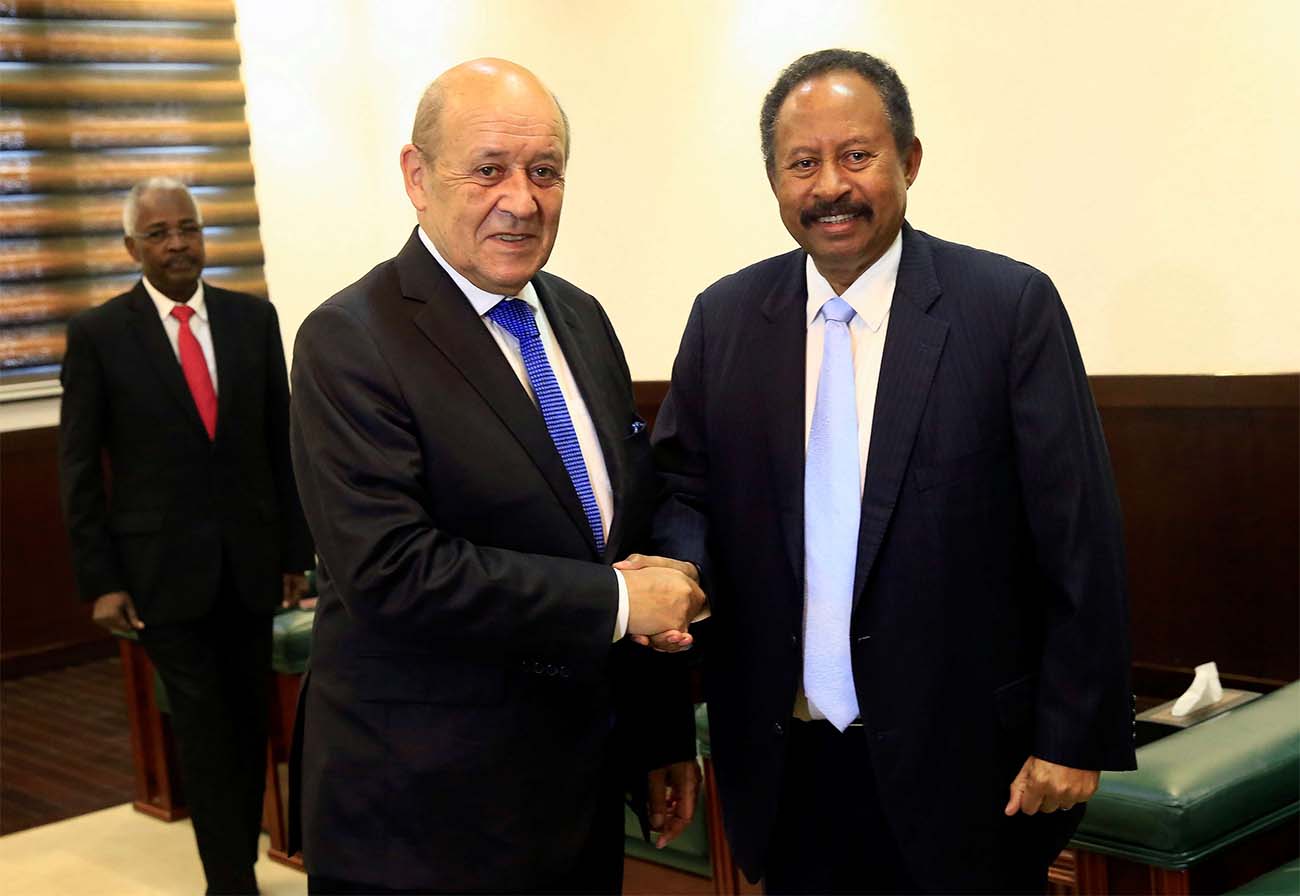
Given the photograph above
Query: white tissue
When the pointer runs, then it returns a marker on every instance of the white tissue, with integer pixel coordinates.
(1205, 690)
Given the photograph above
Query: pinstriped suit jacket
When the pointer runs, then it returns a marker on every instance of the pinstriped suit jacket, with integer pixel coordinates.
(990, 614)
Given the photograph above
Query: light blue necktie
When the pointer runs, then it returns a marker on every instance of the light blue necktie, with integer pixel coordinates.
(831, 510)
(515, 316)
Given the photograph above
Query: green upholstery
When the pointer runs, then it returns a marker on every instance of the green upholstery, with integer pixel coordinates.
(291, 641)
(690, 851)
(1203, 788)
(1284, 881)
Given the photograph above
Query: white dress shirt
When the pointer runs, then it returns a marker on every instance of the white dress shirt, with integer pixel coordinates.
(199, 325)
(871, 296)
(583, 427)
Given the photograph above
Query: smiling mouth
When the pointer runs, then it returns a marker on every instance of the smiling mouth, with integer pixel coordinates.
(834, 214)
(513, 237)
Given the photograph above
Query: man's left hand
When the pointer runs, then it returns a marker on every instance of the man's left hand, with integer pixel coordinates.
(1044, 786)
(672, 799)
(295, 588)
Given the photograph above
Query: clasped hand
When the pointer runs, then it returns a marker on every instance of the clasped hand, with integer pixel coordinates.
(664, 596)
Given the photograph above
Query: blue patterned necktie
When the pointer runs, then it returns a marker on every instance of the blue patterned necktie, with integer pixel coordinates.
(832, 502)
(515, 316)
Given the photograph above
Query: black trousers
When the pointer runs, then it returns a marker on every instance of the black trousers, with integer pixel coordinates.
(832, 837)
(598, 870)
(216, 671)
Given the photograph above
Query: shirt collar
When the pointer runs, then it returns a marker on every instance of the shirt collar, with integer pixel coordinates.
(870, 295)
(482, 300)
(165, 305)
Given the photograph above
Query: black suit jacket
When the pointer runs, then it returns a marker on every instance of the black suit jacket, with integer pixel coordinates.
(989, 613)
(177, 500)
(458, 712)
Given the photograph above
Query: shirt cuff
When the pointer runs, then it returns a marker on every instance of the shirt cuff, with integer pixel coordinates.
(620, 624)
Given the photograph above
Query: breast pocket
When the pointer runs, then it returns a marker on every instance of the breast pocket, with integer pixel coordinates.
(982, 461)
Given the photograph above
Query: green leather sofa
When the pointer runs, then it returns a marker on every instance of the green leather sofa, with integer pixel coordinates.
(1284, 881)
(1203, 789)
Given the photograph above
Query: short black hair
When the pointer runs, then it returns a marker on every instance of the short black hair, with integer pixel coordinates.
(874, 71)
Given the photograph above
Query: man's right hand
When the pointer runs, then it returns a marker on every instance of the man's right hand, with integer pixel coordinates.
(660, 600)
(115, 612)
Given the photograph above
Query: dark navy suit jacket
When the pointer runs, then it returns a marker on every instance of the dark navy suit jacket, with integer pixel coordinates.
(990, 615)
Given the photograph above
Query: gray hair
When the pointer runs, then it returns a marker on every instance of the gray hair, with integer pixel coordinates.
(428, 119)
(131, 208)
(874, 71)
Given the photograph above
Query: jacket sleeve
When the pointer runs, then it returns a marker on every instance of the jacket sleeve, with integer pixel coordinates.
(1084, 704)
(681, 457)
(360, 471)
(83, 421)
(296, 550)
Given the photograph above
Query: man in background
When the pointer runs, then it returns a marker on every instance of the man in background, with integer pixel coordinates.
(884, 456)
(193, 536)
(471, 461)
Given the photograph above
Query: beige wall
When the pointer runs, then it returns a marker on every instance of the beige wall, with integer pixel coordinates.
(1143, 154)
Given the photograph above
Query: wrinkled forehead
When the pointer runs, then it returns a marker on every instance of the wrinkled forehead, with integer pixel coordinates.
(518, 123)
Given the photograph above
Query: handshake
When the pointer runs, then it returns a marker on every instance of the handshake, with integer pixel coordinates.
(664, 598)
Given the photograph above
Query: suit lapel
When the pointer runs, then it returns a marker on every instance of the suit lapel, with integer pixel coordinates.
(780, 345)
(603, 410)
(152, 339)
(225, 337)
(448, 321)
(913, 344)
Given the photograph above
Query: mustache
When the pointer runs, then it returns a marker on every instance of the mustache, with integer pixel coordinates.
(822, 209)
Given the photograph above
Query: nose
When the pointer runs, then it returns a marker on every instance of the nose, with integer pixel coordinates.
(829, 184)
(175, 240)
(516, 197)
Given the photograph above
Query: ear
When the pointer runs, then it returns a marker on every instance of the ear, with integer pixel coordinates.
(415, 171)
(912, 164)
(132, 249)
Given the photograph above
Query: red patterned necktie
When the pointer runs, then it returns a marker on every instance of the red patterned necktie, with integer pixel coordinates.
(195, 368)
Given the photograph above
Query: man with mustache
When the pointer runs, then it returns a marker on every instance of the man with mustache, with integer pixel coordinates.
(471, 462)
(195, 535)
(884, 457)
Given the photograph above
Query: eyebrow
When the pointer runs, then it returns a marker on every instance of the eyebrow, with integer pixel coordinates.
(546, 155)
(843, 144)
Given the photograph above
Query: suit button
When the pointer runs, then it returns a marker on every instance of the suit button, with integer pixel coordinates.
(794, 641)
(539, 669)
(552, 671)
(778, 729)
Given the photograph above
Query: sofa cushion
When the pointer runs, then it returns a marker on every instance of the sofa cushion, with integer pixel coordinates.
(1198, 790)
(1284, 881)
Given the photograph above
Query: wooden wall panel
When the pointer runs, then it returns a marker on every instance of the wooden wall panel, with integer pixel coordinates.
(1208, 473)
(1207, 469)
(98, 95)
(42, 623)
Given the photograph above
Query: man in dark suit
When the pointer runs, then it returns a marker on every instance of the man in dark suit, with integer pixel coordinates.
(195, 535)
(884, 456)
(470, 460)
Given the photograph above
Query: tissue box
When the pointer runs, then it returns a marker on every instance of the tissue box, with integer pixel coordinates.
(1160, 721)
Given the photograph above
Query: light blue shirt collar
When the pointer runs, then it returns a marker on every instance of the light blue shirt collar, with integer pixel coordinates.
(870, 295)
